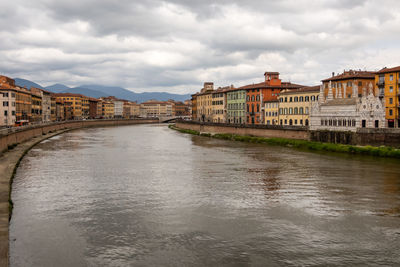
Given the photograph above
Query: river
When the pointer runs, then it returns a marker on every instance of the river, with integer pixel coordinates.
(146, 195)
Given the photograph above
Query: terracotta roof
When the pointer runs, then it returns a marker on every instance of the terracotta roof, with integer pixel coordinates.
(315, 88)
(351, 74)
(68, 94)
(271, 72)
(386, 70)
(284, 85)
(340, 102)
(156, 102)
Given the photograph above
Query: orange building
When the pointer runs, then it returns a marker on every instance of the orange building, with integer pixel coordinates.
(258, 94)
(343, 84)
(388, 82)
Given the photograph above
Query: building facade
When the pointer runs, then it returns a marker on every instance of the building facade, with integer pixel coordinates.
(7, 106)
(236, 106)
(218, 98)
(388, 82)
(295, 105)
(37, 107)
(156, 109)
(271, 109)
(46, 105)
(348, 114)
(204, 103)
(258, 94)
(73, 102)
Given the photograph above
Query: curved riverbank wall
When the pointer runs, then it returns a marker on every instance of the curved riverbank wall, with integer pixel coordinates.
(364, 136)
(13, 136)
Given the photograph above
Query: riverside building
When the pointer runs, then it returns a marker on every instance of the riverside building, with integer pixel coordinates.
(388, 82)
(295, 105)
(236, 106)
(258, 94)
(271, 109)
(7, 102)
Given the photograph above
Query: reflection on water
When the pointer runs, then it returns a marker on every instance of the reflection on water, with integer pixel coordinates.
(149, 196)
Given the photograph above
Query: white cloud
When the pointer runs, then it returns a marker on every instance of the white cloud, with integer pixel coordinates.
(176, 45)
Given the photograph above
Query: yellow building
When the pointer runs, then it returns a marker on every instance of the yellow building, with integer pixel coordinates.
(271, 109)
(204, 103)
(107, 109)
(388, 80)
(218, 98)
(295, 105)
(156, 109)
(74, 101)
(36, 105)
(85, 107)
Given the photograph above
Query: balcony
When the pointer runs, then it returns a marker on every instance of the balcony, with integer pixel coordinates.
(381, 83)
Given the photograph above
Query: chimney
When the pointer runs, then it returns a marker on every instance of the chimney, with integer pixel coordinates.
(333, 73)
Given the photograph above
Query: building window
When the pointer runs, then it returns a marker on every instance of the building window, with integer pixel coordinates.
(5, 104)
(257, 98)
(391, 89)
(390, 112)
(306, 110)
(390, 100)
(295, 112)
(301, 111)
(391, 77)
(252, 98)
(307, 98)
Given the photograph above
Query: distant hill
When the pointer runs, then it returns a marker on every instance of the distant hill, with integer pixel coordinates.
(26, 83)
(93, 90)
(58, 87)
(86, 92)
(123, 93)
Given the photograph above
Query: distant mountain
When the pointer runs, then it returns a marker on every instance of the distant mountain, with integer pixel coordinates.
(120, 92)
(93, 90)
(28, 84)
(56, 88)
(85, 91)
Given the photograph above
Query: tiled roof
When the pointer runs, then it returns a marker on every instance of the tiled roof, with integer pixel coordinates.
(352, 74)
(315, 88)
(386, 70)
(340, 102)
(284, 85)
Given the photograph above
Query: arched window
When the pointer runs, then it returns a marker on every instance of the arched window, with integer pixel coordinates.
(296, 99)
(290, 122)
(301, 111)
(258, 98)
(306, 110)
(306, 122)
(286, 111)
(290, 110)
(312, 98)
(252, 107)
(295, 111)
(258, 107)
(281, 111)
(307, 98)
(301, 99)
(248, 108)
(248, 98)
(252, 98)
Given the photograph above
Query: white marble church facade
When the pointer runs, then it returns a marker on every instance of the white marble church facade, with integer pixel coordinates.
(338, 113)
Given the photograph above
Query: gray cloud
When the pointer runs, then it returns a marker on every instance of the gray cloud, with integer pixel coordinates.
(176, 45)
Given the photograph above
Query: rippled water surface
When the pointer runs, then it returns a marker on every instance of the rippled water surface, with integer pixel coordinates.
(149, 196)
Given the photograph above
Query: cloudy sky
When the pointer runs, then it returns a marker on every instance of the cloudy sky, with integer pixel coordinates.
(176, 45)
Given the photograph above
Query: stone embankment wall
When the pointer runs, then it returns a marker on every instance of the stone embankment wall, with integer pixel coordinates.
(251, 130)
(363, 137)
(10, 137)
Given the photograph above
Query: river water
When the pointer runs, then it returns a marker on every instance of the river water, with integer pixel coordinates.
(146, 195)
